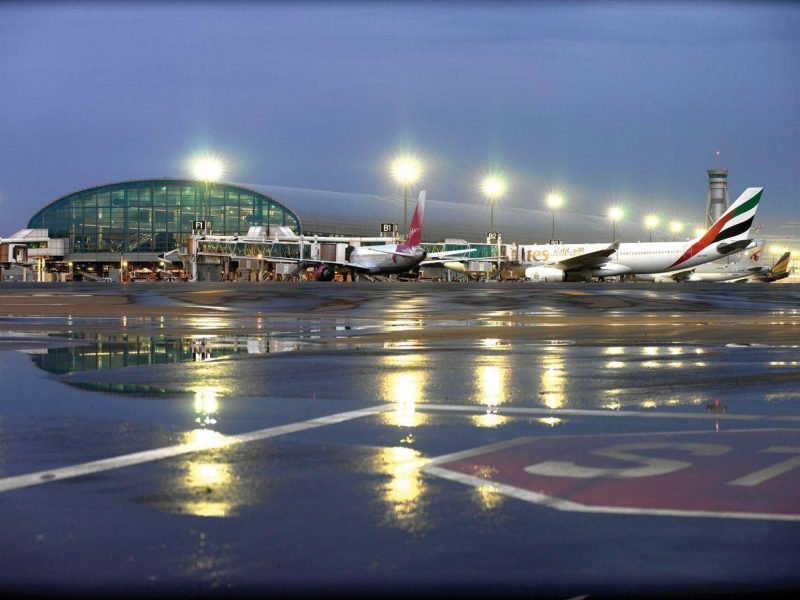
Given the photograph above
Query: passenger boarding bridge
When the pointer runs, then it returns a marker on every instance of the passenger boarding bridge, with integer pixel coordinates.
(259, 255)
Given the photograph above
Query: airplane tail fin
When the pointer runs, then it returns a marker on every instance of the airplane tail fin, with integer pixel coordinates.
(414, 236)
(781, 266)
(735, 223)
(731, 229)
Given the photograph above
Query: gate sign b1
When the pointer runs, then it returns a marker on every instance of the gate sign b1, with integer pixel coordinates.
(388, 227)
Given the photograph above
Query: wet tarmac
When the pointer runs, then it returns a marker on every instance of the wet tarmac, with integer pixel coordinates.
(560, 440)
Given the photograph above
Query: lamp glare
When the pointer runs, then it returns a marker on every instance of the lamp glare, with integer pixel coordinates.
(208, 169)
(406, 170)
(651, 221)
(493, 187)
(554, 201)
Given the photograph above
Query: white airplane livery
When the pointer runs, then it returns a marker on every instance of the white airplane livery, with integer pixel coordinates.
(576, 262)
(734, 271)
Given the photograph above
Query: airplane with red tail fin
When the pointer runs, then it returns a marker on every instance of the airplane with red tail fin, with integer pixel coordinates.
(388, 259)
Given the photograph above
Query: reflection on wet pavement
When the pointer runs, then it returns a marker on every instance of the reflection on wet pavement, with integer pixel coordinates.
(442, 377)
(489, 372)
(100, 352)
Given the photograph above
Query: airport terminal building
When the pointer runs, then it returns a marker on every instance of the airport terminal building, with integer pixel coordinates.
(135, 222)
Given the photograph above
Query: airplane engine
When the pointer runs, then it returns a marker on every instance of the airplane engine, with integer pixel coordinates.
(610, 270)
(544, 274)
(324, 273)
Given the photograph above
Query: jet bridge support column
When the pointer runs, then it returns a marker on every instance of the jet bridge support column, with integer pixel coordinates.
(193, 253)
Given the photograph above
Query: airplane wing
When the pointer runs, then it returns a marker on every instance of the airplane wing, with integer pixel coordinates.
(680, 275)
(172, 256)
(450, 253)
(374, 249)
(436, 258)
(585, 261)
(314, 261)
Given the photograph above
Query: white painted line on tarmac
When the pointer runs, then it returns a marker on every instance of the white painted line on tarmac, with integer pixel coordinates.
(117, 462)
(566, 505)
(574, 412)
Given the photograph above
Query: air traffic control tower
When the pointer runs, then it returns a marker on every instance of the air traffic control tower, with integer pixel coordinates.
(717, 201)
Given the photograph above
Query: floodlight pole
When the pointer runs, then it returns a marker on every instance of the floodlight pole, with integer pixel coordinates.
(553, 229)
(405, 209)
(207, 211)
(491, 214)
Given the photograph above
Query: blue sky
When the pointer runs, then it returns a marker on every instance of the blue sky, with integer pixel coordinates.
(608, 102)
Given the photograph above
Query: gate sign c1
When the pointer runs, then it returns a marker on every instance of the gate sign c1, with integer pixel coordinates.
(388, 227)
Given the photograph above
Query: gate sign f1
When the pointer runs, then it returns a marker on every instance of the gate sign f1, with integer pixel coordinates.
(752, 474)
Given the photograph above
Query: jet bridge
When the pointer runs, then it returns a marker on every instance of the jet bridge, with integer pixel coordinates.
(280, 252)
(31, 248)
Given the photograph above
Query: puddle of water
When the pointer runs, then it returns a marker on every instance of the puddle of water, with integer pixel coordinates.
(94, 352)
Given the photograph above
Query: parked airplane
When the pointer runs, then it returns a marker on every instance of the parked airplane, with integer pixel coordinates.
(735, 272)
(738, 267)
(780, 270)
(385, 259)
(576, 262)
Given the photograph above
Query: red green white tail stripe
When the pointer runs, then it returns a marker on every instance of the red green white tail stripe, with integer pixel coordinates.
(734, 224)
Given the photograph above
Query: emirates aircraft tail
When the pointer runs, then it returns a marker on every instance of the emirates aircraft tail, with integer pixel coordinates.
(730, 231)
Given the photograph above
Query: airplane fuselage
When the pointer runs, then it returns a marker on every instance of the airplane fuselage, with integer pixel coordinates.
(386, 259)
(629, 259)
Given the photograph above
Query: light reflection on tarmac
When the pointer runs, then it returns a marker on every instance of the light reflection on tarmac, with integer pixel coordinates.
(685, 385)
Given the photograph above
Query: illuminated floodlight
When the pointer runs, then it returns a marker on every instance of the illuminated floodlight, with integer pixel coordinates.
(554, 201)
(676, 226)
(651, 221)
(493, 187)
(208, 168)
(615, 213)
(699, 231)
(406, 170)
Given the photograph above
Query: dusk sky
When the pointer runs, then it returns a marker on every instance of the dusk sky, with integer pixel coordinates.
(608, 102)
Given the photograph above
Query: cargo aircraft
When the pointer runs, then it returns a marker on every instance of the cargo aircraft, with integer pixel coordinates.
(385, 259)
(579, 262)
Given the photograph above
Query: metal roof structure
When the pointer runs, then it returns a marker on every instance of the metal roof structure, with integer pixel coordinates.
(356, 214)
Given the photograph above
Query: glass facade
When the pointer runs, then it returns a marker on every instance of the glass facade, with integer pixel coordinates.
(155, 216)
